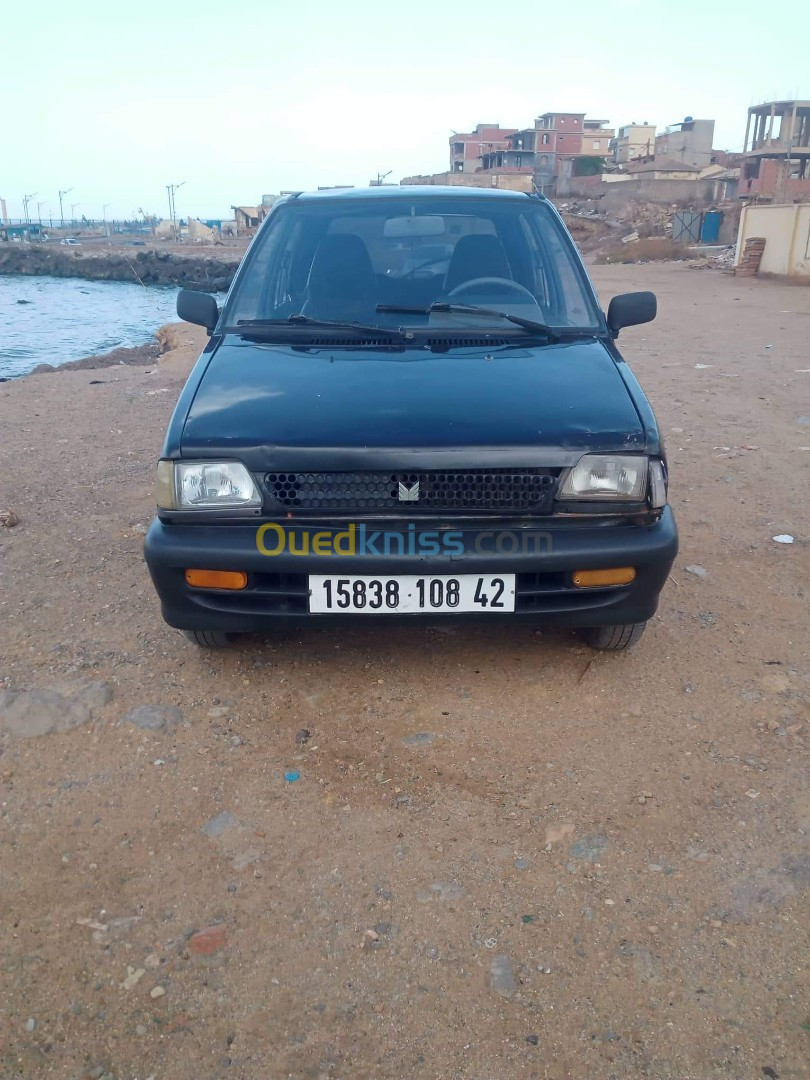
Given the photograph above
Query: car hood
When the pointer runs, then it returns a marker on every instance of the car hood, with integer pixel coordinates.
(277, 406)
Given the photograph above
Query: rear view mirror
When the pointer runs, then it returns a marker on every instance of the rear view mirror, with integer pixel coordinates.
(400, 228)
(630, 309)
(199, 308)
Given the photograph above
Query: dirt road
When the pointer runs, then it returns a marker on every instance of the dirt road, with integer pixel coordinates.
(505, 855)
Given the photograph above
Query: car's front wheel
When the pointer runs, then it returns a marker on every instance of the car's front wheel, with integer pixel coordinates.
(614, 638)
(208, 639)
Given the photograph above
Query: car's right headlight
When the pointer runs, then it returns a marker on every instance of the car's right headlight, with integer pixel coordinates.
(205, 485)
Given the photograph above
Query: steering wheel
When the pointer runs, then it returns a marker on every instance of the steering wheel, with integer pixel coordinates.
(496, 284)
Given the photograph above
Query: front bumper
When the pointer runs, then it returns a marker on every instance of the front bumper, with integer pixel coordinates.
(277, 590)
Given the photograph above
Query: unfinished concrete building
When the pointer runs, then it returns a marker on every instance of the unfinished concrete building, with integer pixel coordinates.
(777, 151)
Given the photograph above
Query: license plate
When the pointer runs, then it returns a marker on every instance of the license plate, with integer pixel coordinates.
(411, 594)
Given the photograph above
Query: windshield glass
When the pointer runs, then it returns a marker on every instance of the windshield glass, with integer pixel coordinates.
(342, 260)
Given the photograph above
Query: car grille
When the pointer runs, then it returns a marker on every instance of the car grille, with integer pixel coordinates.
(411, 492)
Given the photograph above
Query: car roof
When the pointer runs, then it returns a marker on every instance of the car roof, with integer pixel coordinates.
(411, 192)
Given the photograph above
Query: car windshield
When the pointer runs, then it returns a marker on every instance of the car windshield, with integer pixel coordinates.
(354, 260)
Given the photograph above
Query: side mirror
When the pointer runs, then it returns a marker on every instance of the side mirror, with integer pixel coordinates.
(630, 309)
(199, 308)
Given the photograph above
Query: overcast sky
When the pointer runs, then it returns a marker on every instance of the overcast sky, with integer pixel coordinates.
(253, 97)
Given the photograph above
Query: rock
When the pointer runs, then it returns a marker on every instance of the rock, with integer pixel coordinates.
(532, 1040)
(590, 847)
(140, 1029)
(30, 713)
(698, 571)
(522, 864)
(8, 519)
(30, 1024)
(134, 975)
(302, 736)
(157, 992)
(237, 740)
(208, 940)
(371, 939)
(783, 538)
(94, 695)
(502, 975)
(154, 717)
(218, 712)
(422, 739)
(217, 825)
(556, 833)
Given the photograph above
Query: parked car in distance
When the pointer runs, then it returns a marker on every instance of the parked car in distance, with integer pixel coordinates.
(71, 241)
(411, 405)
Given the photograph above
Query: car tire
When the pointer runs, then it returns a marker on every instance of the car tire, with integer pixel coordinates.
(614, 638)
(208, 639)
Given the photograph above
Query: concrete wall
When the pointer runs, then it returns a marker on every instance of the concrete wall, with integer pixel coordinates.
(696, 192)
(787, 237)
(508, 181)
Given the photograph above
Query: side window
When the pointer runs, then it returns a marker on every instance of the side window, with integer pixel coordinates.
(264, 282)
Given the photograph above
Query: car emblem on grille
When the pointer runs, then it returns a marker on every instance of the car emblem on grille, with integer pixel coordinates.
(408, 494)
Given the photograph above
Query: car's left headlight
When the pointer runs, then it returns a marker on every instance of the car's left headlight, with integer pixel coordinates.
(205, 485)
(607, 476)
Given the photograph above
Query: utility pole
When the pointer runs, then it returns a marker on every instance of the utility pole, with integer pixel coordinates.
(171, 189)
(39, 209)
(67, 191)
(26, 200)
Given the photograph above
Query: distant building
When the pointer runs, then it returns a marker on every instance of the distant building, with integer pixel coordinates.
(633, 141)
(554, 146)
(689, 142)
(776, 165)
(247, 217)
(23, 233)
(467, 148)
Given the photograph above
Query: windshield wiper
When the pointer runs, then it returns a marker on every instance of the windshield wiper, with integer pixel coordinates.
(304, 320)
(473, 309)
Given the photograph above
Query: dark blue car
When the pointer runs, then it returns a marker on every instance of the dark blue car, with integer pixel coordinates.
(411, 404)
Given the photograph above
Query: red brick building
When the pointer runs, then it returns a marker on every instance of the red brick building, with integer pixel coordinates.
(467, 148)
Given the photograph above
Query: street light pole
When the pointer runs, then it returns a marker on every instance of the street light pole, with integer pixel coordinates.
(67, 191)
(73, 206)
(171, 189)
(39, 209)
(26, 200)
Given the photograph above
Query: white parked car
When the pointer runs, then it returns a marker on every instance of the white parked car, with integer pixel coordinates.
(71, 241)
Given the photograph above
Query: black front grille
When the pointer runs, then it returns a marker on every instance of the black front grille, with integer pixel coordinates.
(458, 489)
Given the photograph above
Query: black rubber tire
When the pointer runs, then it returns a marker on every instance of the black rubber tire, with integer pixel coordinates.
(208, 639)
(614, 638)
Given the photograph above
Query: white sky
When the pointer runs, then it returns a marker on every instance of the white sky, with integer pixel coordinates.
(240, 100)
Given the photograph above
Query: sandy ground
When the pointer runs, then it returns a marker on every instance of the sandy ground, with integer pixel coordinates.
(589, 866)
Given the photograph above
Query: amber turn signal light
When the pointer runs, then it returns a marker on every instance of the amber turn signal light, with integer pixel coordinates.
(216, 579)
(589, 579)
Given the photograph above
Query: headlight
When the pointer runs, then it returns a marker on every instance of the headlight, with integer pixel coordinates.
(607, 476)
(205, 485)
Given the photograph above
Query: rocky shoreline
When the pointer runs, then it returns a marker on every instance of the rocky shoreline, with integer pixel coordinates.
(166, 339)
(206, 273)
